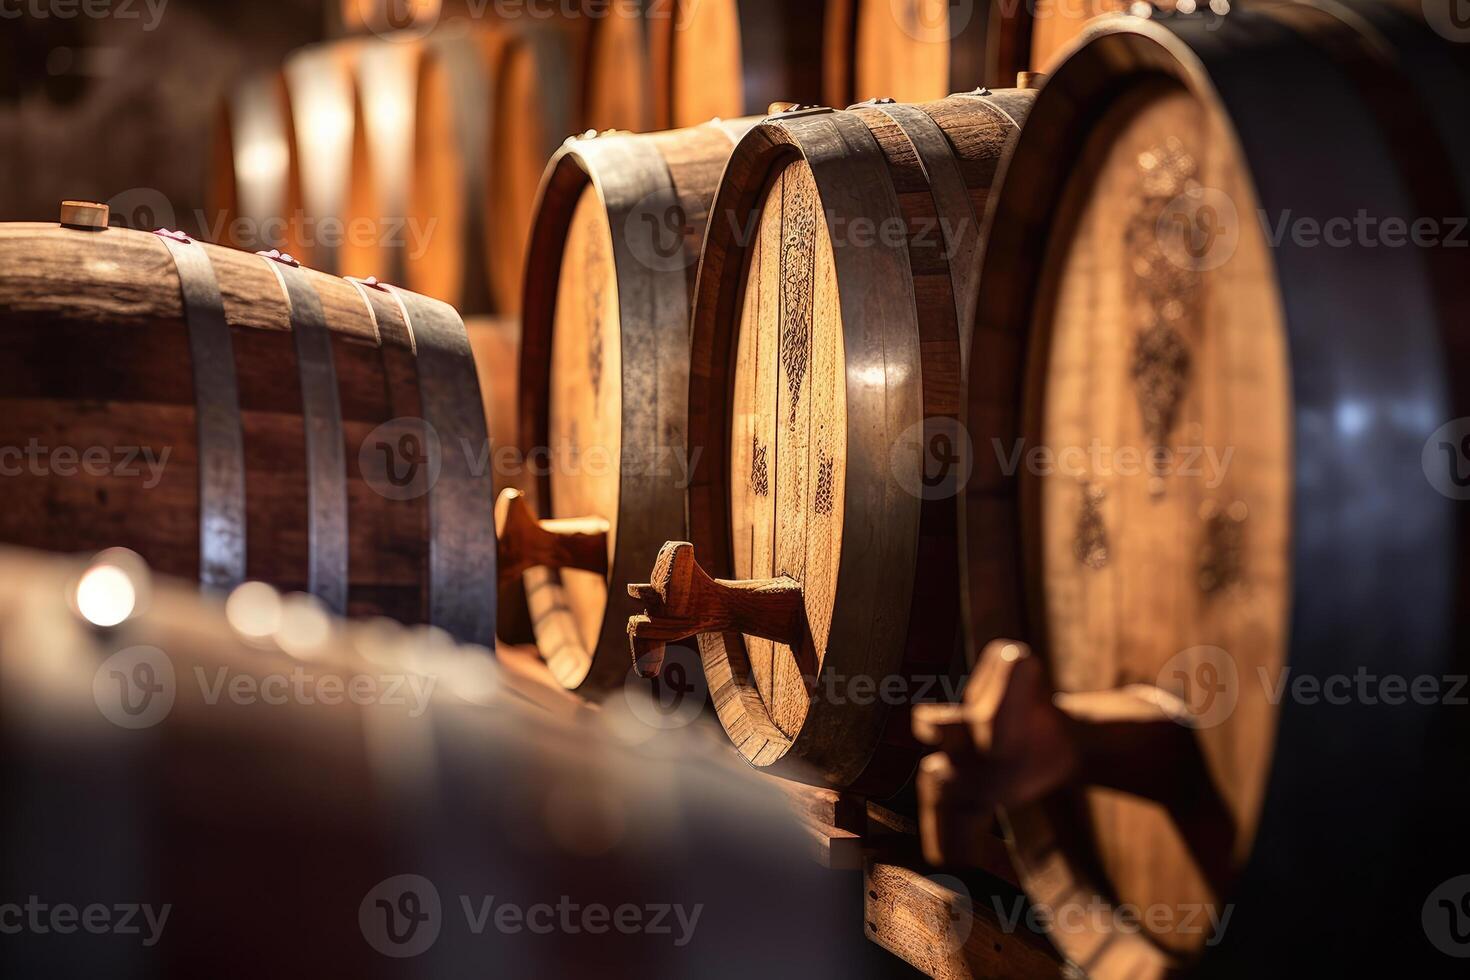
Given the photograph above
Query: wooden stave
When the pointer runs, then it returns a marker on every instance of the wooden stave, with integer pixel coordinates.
(1058, 25)
(352, 791)
(255, 120)
(990, 48)
(632, 175)
(377, 239)
(960, 172)
(372, 346)
(453, 61)
(590, 72)
(787, 65)
(615, 91)
(927, 131)
(872, 497)
(1279, 874)
(320, 81)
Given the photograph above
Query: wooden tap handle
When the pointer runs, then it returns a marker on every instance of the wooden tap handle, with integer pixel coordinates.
(683, 601)
(1014, 741)
(524, 541)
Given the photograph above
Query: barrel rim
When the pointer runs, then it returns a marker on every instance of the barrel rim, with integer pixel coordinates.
(630, 177)
(1207, 61)
(875, 572)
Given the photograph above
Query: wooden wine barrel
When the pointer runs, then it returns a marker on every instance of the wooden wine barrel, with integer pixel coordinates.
(237, 416)
(321, 84)
(378, 234)
(283, 154)
(729, 58)
(616, 89)
(1269, 505)
(1058, 24)
(342, 794)
(495, 342)
(254, 189)
(921, 50)
(826, 371)
(492, 106)
(603, 385)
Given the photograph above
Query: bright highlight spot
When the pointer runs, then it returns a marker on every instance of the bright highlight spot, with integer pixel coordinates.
(305, 626)
(254, 610)
(105, 595)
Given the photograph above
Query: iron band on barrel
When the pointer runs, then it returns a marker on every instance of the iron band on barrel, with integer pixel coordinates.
(952, 199)
(461, 501)
(326, 456)
(217, 410)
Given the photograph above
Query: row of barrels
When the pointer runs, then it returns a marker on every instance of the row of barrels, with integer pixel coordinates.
(414, 155)
(858, 327)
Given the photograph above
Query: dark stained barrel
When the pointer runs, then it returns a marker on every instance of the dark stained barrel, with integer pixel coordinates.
(230, 415)
(1238, 392)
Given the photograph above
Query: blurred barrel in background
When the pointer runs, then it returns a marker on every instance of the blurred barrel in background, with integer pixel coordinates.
(418, 151)
(495, 342)
(254, 182)
(377, 235)
(492, 106)
(260, 785)
(237, 416)
(922, 50)
(321, 84)
(729, 58)
(604, 382)
(282, 156)
(383, 16)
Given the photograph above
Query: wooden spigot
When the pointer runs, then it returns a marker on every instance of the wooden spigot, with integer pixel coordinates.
(1014, 741)
(525, 542)
(684, 601)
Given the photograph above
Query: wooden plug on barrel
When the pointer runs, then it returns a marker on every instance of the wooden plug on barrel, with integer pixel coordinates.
(683, 600)
(526, 541)
(1014, 741)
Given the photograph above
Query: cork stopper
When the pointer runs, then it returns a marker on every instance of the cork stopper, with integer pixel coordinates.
(84, 215)
(1029, 79)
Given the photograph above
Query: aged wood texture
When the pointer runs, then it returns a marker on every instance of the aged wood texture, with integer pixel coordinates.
(604, 370)
(1136, 324)
(728, 58)
(95, 332)
(825, 462)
